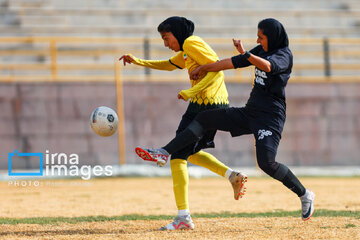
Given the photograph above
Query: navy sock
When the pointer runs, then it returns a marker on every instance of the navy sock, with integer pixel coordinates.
(293, 183)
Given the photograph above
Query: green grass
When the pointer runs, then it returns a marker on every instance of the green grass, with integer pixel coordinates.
(73, 220)
(350, 225)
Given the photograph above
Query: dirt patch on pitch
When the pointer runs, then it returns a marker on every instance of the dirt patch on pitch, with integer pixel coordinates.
(154, 196)
(228, 228)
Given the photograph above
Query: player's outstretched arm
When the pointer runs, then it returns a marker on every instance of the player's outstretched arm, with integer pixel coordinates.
(201, 71)
(154, 64)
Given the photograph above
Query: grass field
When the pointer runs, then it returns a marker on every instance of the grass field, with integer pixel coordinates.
(134, 208)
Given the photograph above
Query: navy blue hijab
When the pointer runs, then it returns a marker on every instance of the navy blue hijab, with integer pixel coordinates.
(180, 27)
(275, 32)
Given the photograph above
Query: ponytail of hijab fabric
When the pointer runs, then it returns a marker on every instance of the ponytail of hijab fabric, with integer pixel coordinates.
(180, 27)
(275, 32)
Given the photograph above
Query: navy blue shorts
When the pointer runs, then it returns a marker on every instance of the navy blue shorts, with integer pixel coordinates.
(207, 141)
(265, 126)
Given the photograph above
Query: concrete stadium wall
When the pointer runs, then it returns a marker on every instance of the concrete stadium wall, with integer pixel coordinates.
(322, 127)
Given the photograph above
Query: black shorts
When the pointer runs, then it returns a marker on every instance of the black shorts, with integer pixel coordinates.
(265, 126)
(207, 141)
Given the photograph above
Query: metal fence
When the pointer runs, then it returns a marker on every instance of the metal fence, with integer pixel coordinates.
(62, 59)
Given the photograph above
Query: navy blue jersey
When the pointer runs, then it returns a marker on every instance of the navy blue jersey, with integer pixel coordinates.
(268, 93)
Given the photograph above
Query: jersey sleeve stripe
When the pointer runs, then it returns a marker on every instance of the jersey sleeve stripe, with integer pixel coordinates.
(174, 64)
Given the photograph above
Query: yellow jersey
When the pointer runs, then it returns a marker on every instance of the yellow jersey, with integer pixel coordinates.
(211, 88)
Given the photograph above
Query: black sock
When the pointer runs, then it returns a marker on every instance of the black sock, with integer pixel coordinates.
(293, 183)
(284, 175)
(190, 135)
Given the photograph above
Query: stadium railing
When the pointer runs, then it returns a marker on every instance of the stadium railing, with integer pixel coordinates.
(63, 59)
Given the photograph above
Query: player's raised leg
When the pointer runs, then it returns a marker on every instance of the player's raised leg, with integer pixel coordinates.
(158, 155)
(236, 178)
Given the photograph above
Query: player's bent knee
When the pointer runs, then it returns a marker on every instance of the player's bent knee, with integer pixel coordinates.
(281, 172)
(266, 160)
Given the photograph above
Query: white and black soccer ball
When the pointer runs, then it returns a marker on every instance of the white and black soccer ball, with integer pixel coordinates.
(104, 121)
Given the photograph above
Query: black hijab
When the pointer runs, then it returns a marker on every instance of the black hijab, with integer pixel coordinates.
(180, 27)
(275, 32)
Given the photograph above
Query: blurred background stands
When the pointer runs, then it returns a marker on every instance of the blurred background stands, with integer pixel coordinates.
(57, 64)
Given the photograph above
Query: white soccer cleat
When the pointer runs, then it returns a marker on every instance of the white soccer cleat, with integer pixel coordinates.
(238, 180)
(158, 155)
(307, 205)
(180, 223)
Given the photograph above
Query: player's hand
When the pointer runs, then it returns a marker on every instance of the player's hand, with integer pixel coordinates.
(127, 59)
(239, 46)
(180, 97)
(198, 73)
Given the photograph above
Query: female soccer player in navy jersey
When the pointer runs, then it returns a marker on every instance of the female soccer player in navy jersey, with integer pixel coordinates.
(264, 113)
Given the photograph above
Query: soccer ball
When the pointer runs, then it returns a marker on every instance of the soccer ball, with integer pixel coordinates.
(104, 121)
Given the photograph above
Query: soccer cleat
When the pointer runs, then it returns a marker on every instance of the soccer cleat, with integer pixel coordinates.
(180, 223)
(238, 180)
(158, 155)
(307, 205)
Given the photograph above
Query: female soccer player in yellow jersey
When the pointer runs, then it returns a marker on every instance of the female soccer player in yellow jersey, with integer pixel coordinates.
(207, 92)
